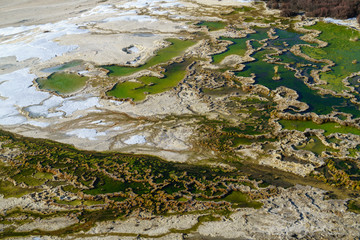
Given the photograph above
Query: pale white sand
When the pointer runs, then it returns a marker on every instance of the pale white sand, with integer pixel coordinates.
(131, 18)
(38, 41)
(351, 22)
(99, 10)
(136, 139)
(16, 92)
(87, 133)
(145, 3)
(38, 124)
(74, 104)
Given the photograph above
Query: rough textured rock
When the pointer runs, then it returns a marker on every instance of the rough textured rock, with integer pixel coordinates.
(51, 224)
(297, 213)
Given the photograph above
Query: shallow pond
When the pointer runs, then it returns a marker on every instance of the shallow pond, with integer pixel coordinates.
(319, 104)
(343, 49)
(62, 67)
(238, 45)
(162, 56)
(290, 37)
(62, 83)
(212, 26)
(329, 127)
(146, 85)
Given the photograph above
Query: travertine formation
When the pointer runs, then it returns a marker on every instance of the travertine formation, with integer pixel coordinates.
(246, 156)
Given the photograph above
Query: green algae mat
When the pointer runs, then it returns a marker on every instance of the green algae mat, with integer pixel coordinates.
(146, 85)
(176, 47)
(213, 26)
(328, 128)
(62, 83)
(238, 45)
(343, 48)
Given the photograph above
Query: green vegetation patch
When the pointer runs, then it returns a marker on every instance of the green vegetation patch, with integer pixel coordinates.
(343, 49)
(163, 55)
(354, 206)
(244, 9)
(237, 47)
(8, 189)
(62, 83)
(79, 202)
(150, 183)
(314, 145)
(213, 26)
(223, 136)
(239, 199)
(256, 44)
(329, 127)
(246, 141)
(342, 173)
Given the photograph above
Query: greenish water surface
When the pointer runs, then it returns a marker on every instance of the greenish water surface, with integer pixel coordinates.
(314, 145)
(238, 46)
(290, 37)
(62, 66)
(146, 85)
(162, 56)
(319, 104)
(343, 49)
(213, 26)
(62, 83)
(329, 128)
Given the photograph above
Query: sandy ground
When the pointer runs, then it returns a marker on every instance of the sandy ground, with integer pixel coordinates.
(27, 12)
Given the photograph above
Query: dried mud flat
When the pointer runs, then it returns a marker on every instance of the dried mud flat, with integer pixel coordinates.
(171, 124)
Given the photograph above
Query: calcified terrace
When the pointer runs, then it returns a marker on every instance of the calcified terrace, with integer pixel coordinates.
(177, 120)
